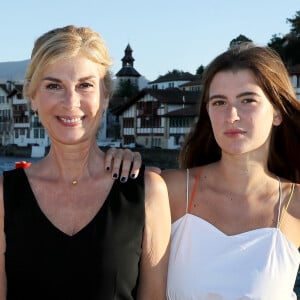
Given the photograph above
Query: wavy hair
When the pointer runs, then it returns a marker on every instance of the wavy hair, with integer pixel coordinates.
(66, 42)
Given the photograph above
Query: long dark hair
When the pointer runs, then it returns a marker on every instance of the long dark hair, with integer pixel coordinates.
(201, 148)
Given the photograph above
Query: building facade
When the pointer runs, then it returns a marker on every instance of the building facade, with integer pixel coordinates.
(295, 79)
(159, 115)
(158, 118)
(5, 115)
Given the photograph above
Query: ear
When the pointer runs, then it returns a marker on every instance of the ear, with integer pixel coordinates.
(277, 117)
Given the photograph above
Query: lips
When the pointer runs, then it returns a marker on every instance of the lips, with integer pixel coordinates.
(234, 132)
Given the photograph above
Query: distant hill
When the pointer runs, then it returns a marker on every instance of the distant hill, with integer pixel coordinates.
(13, 70)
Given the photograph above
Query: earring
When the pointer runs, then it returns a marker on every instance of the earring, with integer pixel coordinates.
(35, 113)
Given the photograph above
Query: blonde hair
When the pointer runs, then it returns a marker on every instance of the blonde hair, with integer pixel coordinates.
(66, 42)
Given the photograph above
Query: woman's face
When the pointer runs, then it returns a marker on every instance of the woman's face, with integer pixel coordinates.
(240, 113)
(69, 100)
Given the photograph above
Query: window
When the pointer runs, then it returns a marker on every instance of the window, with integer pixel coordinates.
(42, 133)
(180, 122)
(128, 122)
(36, 133)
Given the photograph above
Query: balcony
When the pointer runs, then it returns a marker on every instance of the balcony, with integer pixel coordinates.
(21, 125)
(19, 101)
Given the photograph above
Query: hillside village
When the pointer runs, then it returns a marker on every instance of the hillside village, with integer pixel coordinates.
(158, 114)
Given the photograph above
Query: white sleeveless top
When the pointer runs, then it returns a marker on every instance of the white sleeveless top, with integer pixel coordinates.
(206, 264)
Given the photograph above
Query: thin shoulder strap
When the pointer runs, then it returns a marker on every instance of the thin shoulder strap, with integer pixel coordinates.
(280, 203)
(291, 196)
(287, 205)
(187, 190)
(194, 190)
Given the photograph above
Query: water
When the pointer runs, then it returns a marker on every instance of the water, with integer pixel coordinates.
(8, 162)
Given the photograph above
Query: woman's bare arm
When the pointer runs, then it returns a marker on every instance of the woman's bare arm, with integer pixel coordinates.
(155, 255)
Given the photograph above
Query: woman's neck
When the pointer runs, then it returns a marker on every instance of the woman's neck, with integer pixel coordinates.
(242, 174)
(72, 164)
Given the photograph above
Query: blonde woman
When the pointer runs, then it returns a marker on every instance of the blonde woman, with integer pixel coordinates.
(68, 229)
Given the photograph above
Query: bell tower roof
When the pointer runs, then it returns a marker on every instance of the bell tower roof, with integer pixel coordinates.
(127, 69)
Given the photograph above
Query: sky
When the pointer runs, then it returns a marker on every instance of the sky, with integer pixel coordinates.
(163, 34)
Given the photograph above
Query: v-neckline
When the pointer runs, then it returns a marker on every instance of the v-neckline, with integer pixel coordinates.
(51, 224)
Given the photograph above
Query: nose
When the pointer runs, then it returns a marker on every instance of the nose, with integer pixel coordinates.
(71, 99)
(232, 114)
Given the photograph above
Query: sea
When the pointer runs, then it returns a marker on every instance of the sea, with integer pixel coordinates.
(8, 162)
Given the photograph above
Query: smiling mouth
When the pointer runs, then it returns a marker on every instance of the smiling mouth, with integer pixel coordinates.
(70, 121)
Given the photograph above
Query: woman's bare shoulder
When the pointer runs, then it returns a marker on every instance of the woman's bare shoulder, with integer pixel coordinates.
(173, 175)
(177, 178)
(294, 197)
(155, 188)
(177, 181)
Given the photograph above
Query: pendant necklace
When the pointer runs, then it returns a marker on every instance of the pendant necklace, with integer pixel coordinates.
(74, 182)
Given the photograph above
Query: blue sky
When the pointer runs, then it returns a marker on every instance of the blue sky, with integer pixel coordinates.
(164, 34)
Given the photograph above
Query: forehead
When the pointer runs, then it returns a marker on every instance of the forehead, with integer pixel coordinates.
(72, 67)
(238, 76)
(227, 81)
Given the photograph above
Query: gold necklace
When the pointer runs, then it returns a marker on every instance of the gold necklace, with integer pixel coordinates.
(74, 182)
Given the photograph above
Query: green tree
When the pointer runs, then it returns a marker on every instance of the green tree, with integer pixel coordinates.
(238, 40)
(200, 71)
(276, 43)
(292, 43)
(127, 88)
(288, 45)
(295, 24)
(291, 53)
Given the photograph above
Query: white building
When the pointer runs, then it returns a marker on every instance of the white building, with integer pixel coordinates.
(158, 118)
(295, 78)
(5, 116)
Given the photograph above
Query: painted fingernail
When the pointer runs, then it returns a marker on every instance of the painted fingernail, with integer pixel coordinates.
(123, 179)
(115, 175)
(107, 168)
(132, 175)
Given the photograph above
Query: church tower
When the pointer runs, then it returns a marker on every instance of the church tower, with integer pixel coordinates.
(128, 72)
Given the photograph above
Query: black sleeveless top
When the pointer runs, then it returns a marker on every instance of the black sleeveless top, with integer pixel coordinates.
(101, 261)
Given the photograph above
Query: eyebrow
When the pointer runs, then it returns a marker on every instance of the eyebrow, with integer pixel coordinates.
(219, 96)
(51, 79)
(58, 80)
